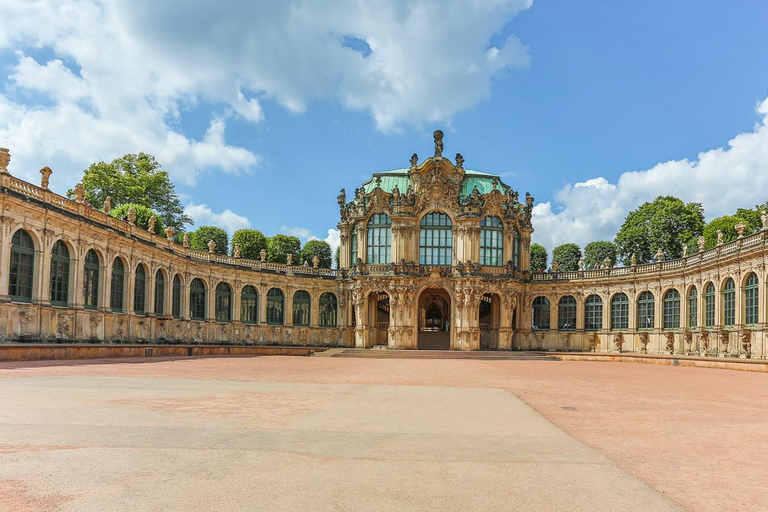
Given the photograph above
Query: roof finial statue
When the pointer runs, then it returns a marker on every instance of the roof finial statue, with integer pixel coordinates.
(459, 161)
(414, 160)
(378, 181)
(438, 143)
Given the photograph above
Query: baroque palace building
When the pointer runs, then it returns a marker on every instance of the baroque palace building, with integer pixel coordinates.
(432, 257)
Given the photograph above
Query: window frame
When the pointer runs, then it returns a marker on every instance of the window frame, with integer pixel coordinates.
(646, 309)
(593, 313)
(59, 282)
(671, 313)
(275, 309)
(117, 286)
(91, 274)
(540, 305)
(491, 241)
(328, 312)
(197, 300)
(436, 240)
(249, 305)
(379, 239)
(21, 272)
(620, 312)
(566, 311)
(302, 308)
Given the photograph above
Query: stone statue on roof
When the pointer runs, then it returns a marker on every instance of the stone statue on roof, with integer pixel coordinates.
(459, 161)
(414, 160)
(438, 143)
(342, 198)
(396, 194)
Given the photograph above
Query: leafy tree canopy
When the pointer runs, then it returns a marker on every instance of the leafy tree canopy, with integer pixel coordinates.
(337, 257)
(596, 252)
(567, 257)
(135, 179)
(319, 248)
(251, 242)
(200, 237)
(667, 223)
(142, 216)
(752, 217)
(726, 224)
(538, 258)
(279, 246)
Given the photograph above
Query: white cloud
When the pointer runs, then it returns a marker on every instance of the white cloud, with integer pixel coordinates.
(124, 70)
(722, 179)
(227, 220)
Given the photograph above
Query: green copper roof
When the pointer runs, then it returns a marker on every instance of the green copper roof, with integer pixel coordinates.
(483, 181)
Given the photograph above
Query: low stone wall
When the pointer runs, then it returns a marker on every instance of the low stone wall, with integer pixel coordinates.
(44, 352)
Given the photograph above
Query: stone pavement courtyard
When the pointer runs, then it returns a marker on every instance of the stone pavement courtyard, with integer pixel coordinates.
(348, 434)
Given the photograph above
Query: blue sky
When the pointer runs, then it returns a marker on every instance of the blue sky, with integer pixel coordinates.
(261, 112)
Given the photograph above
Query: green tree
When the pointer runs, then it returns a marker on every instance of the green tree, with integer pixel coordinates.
(142, 216)
(251, 242)
(279, 246)
(567, 257)
(752, 217)
(726, 224)
(337, 257)
(319, 248)
(136, 179)
(200, 237)
(667, 223)
(538, 258)
(596, 252)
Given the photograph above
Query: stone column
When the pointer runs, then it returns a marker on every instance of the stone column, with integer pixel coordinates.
(5, 257)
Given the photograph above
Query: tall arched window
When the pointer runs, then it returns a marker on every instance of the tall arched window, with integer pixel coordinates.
(566, 314)
(223, 303)
(729, 303)
(671, 309)
(176, 298)
(491, 242)
(197, 300)
(91, 280)
(22, 267)
(353, 246)
(301, 303)
(516, 248)
(541, 314)
(645, 311)
(619, 312)
(140, 291)
(275, 306)
(379, 238)
(117, 285)
(709, 305)
(159, 294)
(593, 313)
(328, 309)
(435, 240)
(59, 274)
(249, 305)
(750, 300)
(693, 307)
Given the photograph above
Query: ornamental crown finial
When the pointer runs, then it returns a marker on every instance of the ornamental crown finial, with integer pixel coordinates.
(438, 143)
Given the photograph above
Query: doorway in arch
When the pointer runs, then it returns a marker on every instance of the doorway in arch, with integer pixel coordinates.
(434, 319)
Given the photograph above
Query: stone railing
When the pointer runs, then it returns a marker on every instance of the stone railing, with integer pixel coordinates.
(720, 252)
(63, 203)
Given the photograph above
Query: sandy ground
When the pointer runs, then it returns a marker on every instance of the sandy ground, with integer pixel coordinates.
(699, 437)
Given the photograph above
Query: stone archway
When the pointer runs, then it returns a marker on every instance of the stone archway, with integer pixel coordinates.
(489, 313)
(435, 319)
(378, 318)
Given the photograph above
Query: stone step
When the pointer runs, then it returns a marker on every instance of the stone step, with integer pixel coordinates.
(440, 354)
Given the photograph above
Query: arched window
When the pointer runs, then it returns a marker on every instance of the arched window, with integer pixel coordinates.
(91, 280)
(176, 299)
(249, 305)
(275, 307)
(197, 300)
(593, 313)
(516, 248)
(159, 294)
(541, 314)
(117, 286)
(709, 305)
(693, 307)
(435, 239)
(328, 308)
(645, 311)
(619, 312)
(729, 303)
(671, 309)
(566, 314)
(22, 267)
(750, 300)
(378, 240)
(59, 274)
(301, 308)
(223, 303)
(140, 291)
(491, 242)
(353, 246)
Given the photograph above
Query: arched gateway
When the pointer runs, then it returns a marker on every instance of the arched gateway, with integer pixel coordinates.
(436, 257)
